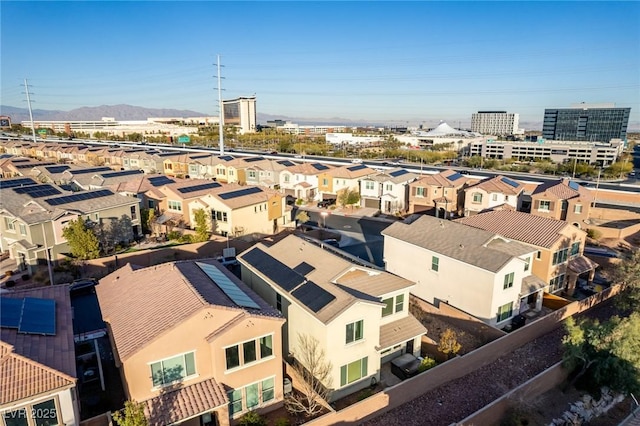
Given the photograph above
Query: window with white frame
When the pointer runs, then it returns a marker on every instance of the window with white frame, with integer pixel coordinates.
(354, 331)
(368, 185)
(392, 303)
(9, 224)
(388, 187)
(556, 283)
(176, 206)
(494, 197)
(477, 197)
(577, 209)
(249, 352)
(353, 371)
(219, 216)
(43, 413)
(505, 311)
(287, 178)
(435, 263)
(251, 396)
(575, 249)
(508, 281)
(399, 303)
(544, 206)
(560, 256)
(171, 370)
(23, 229)
(527, 263)
(421, 191)
(252, 174)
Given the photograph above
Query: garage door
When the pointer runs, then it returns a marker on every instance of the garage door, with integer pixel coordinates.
(372, 203)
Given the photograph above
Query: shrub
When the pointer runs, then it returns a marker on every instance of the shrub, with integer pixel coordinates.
(282, 421)
(174, 235)
(252, 419)
(594, 234)
(186, 238)
(299, 202)
(426, 364)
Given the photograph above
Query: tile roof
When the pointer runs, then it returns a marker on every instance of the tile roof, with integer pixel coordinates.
(473, 246)
(176, 405)
(400, 331)
(531, 284)
(519, 226)
(160, 297)
(344, 172)
(582, 264)
(561, 190)
(497, 184)
(388, 176)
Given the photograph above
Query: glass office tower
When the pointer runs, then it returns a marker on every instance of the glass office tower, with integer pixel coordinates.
(586, 124)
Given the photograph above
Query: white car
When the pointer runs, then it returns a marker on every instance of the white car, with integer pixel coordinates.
(356, 161)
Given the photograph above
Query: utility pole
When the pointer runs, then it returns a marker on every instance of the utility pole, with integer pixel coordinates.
(221, 107)
(33, 125)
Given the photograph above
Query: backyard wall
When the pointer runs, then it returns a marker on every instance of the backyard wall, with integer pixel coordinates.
(460, 366)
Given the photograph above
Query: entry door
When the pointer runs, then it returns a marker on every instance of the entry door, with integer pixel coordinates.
(409, 348)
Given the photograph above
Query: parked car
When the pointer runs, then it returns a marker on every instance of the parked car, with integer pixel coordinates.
(325, 203)
(405, 366)
(356, 161)
(227, 261)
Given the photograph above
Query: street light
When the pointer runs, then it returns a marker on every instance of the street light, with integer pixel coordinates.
(324, 219)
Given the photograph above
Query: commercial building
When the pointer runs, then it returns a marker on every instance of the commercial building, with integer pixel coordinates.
(498, 123)
(241, 112)
(586, 122)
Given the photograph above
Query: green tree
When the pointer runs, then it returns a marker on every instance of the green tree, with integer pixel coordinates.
(301, 218)
(131, 415)
(202, 225)
(627, 273)
(348, 197)
(604, 354)
(82, 241)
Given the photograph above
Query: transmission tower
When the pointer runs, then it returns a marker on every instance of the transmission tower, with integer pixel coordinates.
(33, 125)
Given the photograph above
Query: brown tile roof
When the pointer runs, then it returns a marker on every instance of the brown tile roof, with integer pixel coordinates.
(345, 172)
(176, 405)
(523, 227)
(400, 331)
(582, 264)
(160, 297)
(498, 184)
(473, 246)
(561, 190)
(307, 169)
(531, 284)
(375, 283)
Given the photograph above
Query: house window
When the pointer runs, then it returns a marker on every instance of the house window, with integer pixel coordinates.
(544, 206)
(494, 197)
(354, 371)
(435, 263)
(174, 369)
(134, 216)
(388, 307)
(249, 351)
(219, 216)
(23, 229)
(252, 174)
(9, 224)
(355, 331)
(287, 178)
(246, 353)
(251, 396)
(577, 209)
(556, 283)
(388, 187)
(44, 413)
(268, 387)
(477, 197)
(266, 346)
(174, 205)
(538, 255)
(399, 303)
(233, 357)
(527, 263)
(368, 185)
(421, 192)
(325, 182)
(560, 256)
(508, 281)
(235, 401)
(505, 311)
(151, 204)
(16, 417)
(575, 249)
(279, 302)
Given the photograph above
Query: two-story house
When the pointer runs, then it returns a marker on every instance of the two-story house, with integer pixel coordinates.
(477, 271)
(441, 194)
(359, 316)
(562, 200)
(496, 192)
(37, 358)
(334, 180)
(387, 191)
(558, 260)
(301, 181)
(193, 343)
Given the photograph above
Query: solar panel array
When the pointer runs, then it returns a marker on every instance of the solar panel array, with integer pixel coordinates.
(319, 166)
(273, 269)
(304, 268)
(16, 182)
(286, 163)
(574, 185)
(57, 169)
(240, 193)
(510, 182)
(90, 170)
(121, 173)
(226, 158)
(20, 160)
(398, 173)
(208, 185)
(454, 177)
(252, 159)
(37, 191)
(30, 165)
(160, 180)
(231, 289)
(80, 196)
(313, 296)
(356, 168)
(29, 315)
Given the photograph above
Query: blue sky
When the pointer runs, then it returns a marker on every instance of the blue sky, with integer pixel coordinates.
(384, 62)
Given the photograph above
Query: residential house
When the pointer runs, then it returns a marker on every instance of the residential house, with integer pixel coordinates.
(496, 192)
(104, 179)
(33, 216)
(301, 181)
(49, 174)
(37, 358)
(263, 172)
(332, 181)
(227, 169)
(201, 166)
(193, 344)
(441, 194)
(359, 316)
(562, 200)
(559, 259)
(477, 271)
(176, 165)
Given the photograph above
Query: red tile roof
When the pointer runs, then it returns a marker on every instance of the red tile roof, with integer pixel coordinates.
(497, 184)
(561, 190)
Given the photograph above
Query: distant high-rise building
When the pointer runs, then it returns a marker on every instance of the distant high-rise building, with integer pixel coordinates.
(241, 112)
(497, 123)
(586, 122)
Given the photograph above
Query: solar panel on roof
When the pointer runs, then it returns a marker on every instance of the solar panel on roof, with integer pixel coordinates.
(26, 166)
(38, 316)
(12, 183)
(10, 312)
(455, 176)
(160, 180)
(37, 191)
(200, 187)
(303, 268)
(398, 173)
(510, 182)
(273, 269)
(286, 163)
(226, 158)
(319, 166)
(574, 185)
(90, 170)
(313, 296)
(20, 160)
(121, 173)
(252, 159)
(57, 169)
(240, 193)
(229, 288)
(81, 196)
(358, 167)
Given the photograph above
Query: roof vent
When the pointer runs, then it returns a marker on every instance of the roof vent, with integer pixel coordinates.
(461, 246)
